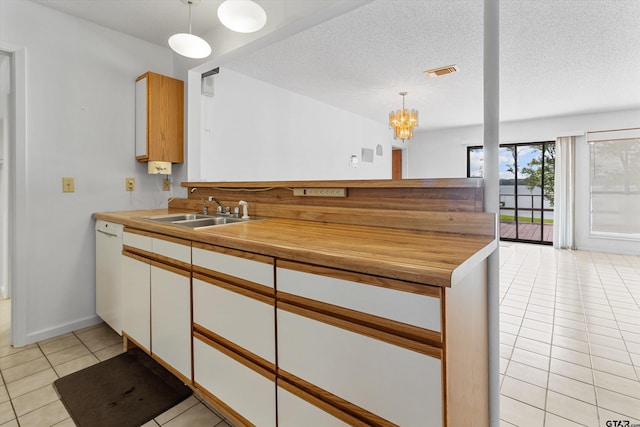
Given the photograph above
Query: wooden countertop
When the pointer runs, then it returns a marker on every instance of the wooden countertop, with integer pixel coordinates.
(439, 259)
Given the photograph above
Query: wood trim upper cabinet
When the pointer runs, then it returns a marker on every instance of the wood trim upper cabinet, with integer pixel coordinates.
(159, 118)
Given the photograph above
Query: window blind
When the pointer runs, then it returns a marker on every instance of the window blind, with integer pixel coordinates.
(615, 183)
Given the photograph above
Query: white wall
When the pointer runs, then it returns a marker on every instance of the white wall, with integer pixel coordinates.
(80, 81)
(442, 154)
(254, 131)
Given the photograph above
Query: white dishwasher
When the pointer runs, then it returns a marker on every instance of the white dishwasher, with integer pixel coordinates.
(109, 273)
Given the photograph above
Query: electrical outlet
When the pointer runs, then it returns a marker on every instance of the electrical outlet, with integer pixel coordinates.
(320, 192)
(130, 184)
(166, 184)
(68, 185)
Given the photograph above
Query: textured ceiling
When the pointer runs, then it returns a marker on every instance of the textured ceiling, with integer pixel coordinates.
(151, 20)
(557, 57)
(361, 60)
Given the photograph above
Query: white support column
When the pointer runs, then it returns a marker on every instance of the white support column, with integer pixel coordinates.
(491, 192)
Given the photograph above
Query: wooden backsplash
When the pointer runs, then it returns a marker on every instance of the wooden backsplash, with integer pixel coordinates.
(453, 205)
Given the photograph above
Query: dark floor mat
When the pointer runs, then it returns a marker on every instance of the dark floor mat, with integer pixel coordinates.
(126, 390)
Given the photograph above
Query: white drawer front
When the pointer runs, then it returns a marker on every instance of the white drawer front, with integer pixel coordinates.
(296, 412)
(137, 241)
(253, 271)
(418, 310)
(247, 392)
(238, 318)
(392, 382)
(172, 250)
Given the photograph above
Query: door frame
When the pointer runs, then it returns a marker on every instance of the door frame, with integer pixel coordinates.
(17, 262)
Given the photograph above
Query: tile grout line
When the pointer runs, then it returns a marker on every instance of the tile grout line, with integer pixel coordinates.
(553, 326)
(586, 323)
(13, 408)
(596, 263)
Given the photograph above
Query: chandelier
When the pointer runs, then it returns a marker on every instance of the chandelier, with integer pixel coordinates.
(403, 121)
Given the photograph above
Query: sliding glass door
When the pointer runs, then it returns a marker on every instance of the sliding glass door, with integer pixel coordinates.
(526, 189)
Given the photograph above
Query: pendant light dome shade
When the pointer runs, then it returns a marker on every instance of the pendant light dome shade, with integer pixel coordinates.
(189, 45)
(242, 16)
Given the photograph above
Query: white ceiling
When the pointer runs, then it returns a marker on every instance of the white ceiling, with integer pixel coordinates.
(557, 57)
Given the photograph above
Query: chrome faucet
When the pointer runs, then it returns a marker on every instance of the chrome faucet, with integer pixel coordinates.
(224, 210)
(205, 208)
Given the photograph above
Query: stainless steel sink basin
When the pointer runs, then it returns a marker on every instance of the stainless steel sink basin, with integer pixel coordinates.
(176, 217)
(194, 221)
(208, 222)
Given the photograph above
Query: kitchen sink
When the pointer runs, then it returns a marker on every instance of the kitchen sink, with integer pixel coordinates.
(195, 221)
(176, 217)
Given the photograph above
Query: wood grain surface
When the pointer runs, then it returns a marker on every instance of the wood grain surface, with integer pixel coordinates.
(415, 256)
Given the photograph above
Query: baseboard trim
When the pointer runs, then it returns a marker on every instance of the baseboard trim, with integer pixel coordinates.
(55, 331)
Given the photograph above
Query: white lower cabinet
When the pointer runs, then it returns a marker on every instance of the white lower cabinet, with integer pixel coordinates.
(235, 385)
(136, 291)
(157, 297)
(171, 316)
(234, 344)
(348, 349)
(365, 346)
(398, 385)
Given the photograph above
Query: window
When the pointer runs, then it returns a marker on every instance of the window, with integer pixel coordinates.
(615, 183)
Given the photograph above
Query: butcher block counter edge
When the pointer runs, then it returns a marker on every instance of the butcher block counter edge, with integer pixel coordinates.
(439, 259)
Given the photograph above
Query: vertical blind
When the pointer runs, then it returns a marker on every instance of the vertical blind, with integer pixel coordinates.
(615, 182)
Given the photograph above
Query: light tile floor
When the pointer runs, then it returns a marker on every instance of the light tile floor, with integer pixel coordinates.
(27, 396)
(569, 337)
(569, 348)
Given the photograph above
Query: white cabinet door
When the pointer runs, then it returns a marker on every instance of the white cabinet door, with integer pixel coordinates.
(250, 394)
(137, 299)
(171, 316)
(396, 384)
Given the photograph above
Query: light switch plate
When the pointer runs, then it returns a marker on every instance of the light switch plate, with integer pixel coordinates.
(68, 184)
(166, 184)
(130, 184)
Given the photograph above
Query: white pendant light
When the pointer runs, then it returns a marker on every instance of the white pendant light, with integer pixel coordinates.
(242, 16)
(187, 44)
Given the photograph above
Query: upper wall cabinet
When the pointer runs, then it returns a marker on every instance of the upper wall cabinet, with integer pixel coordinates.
(159, 118)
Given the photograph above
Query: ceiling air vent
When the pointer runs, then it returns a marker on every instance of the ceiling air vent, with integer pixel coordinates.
(437, 72)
